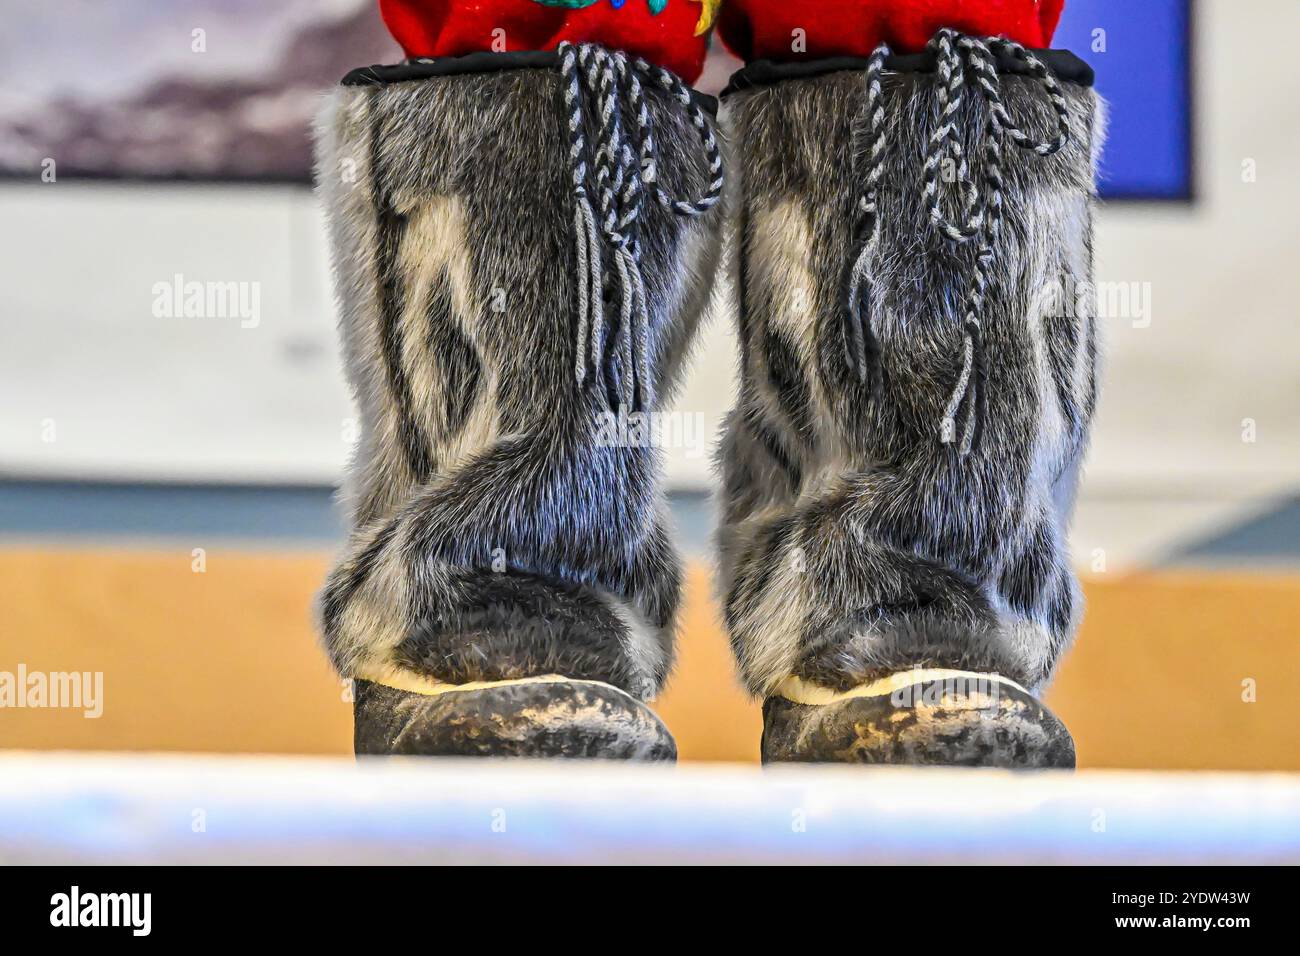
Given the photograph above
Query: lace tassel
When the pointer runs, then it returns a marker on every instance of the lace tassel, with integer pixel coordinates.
(861, 350)
(960, 393)
(591, 307)
(980, 214)
(625, 164)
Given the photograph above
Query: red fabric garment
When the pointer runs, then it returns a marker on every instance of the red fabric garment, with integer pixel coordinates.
(765, 29)
(668, 38)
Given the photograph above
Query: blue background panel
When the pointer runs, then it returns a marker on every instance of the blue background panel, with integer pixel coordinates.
(1144, 73)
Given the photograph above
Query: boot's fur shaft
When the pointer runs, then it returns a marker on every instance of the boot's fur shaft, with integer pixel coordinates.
(493, 536)
(854, 541)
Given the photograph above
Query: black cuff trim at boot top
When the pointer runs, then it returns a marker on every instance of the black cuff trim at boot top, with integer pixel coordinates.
(1063, 64)
(483, 62)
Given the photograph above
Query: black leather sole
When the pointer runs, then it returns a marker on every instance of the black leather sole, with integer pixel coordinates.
(532, 718)
(977, 723)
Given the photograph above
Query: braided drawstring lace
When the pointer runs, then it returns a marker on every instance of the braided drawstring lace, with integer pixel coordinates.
(977, 217)
(623, 168)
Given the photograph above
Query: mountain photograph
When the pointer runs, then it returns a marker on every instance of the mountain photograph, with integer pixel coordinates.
(192, 89)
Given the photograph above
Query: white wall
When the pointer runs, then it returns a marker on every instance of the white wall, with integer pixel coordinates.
(134, 396)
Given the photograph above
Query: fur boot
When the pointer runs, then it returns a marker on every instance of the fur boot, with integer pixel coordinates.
(523, 246)
(918, 368)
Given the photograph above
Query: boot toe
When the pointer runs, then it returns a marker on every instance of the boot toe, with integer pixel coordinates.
(984, 723)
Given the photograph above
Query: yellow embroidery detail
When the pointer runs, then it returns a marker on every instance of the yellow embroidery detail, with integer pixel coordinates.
(708, 16)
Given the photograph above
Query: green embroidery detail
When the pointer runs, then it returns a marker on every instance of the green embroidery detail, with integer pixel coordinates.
(656, 6)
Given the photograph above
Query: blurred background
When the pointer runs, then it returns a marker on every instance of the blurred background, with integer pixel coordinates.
(166, 477)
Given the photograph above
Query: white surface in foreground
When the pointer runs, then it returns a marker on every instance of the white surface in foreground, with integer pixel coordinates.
(70, 808)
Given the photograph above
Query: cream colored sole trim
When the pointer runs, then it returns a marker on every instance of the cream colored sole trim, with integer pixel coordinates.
(404, 680)
(800, 691)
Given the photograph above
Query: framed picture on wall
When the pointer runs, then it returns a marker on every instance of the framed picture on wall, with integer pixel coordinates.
(202, 90)
(1142, 53)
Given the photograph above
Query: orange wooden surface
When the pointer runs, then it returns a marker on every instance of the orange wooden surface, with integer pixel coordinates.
(227, 660)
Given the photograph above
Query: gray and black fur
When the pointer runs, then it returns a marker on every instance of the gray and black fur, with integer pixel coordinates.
(493, 536)
(855, 540)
